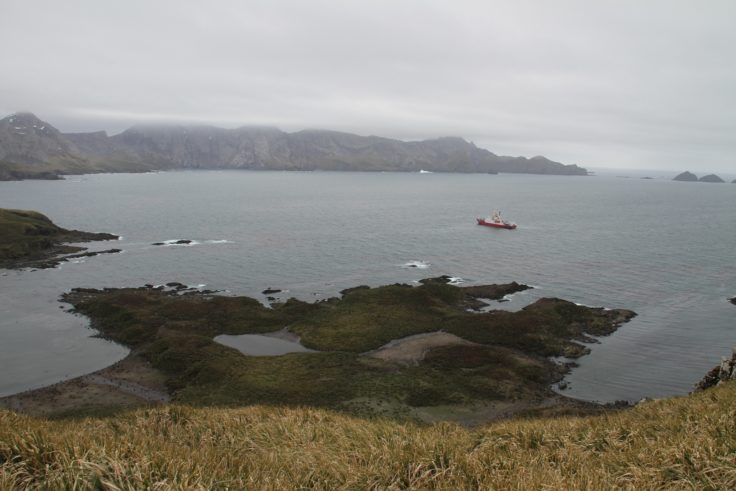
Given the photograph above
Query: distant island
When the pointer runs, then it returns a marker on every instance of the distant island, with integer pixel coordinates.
(689, 176)
(33, 149)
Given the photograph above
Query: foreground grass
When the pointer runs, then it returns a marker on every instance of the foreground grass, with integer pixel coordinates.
(682, 443)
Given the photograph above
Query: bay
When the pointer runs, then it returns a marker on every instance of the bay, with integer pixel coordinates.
(661, 248)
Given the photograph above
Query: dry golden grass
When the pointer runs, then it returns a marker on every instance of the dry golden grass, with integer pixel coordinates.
(681, 443)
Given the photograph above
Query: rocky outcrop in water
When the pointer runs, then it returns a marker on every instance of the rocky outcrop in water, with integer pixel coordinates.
(711, 178)
(685, 176)
(32, 148)
(722, 373)
(689, 176)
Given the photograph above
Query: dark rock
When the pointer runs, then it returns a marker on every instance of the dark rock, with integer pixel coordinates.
(732, 300)
(270, 290)
(271, 299)
(93, 253)
(438, 279)
(711, 178)
(686, 176)
(346, 291)
(183, 241)
(722, 373)
(158, 243)
(176, 285)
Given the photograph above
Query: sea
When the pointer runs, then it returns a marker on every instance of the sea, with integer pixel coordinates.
(665, 249)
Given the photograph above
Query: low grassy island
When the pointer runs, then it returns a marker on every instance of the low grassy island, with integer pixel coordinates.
(426, 352)
(31, 239)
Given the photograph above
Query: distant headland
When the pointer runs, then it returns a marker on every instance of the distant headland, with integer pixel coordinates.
(28, 239)
(33, 149)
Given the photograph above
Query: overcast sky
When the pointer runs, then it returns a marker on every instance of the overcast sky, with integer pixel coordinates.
(631, 84)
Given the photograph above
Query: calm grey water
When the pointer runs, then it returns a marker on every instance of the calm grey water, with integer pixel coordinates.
(664, 249)
(260, 345)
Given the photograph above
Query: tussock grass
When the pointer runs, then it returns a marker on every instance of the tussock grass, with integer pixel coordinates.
(682, 443)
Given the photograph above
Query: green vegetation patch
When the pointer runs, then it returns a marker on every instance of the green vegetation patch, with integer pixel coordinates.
(505, 359)
(28, 236)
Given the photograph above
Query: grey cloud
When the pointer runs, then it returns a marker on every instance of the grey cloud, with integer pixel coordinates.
(620, 84)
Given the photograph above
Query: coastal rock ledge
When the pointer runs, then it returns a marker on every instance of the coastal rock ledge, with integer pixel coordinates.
(722, 373)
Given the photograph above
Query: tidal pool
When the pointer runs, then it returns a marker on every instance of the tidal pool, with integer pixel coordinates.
(260, 345)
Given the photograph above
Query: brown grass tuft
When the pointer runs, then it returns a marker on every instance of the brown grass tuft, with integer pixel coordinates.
(681, 443)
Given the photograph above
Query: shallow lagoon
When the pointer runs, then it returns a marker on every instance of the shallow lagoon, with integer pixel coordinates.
(260, 345)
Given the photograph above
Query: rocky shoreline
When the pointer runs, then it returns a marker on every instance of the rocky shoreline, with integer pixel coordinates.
(127, 384)
(722, 373)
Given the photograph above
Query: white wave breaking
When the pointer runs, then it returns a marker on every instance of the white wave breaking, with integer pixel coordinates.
(416, 264)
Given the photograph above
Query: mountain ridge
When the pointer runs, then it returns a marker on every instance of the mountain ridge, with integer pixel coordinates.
(32, 148)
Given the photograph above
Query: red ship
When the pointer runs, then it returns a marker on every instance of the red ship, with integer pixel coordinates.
(496, 221)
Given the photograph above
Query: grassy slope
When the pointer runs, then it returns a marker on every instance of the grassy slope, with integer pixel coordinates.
(23, 233)
(174, 332)
(29, 235)
(681, 443)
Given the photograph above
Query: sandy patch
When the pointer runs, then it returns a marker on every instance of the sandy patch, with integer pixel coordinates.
(412, 349)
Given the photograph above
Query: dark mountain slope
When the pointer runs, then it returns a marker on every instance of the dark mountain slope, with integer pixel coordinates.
(29, 146)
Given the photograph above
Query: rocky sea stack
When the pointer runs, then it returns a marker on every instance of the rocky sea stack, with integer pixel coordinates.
(686, 176)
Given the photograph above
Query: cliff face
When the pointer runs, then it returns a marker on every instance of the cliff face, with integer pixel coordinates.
(206, 147)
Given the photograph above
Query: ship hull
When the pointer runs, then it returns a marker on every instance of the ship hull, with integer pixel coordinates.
(507, 226)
